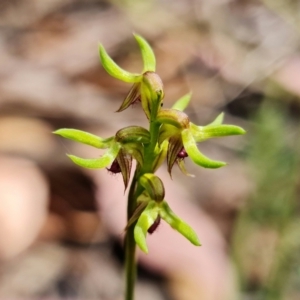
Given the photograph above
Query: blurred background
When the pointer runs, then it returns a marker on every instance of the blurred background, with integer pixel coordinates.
(62, 228)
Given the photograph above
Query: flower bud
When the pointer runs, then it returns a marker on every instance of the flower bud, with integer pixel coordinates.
(151, 94)
(154, 186)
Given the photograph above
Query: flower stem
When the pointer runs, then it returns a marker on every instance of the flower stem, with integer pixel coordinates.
(134, 192)
(130, 264)
(130, 245)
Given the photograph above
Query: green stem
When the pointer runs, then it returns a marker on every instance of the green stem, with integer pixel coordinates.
(149, 150)
(134, 191)
(130, 264)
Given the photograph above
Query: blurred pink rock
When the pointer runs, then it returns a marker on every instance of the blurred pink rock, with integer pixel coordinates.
(23, 209)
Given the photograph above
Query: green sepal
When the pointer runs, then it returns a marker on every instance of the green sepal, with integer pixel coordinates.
(145, 221)
(125, 163)
(153, 185)
(173, 117)
(97, 163)
(114, 70)
(182, 103)
(196, 156)
(176, 223)
(202, 133)
(133, 134)
(133, 96)
(147, 54)
(175, 145)
(218, 120)
(84, 138)
(136, 150)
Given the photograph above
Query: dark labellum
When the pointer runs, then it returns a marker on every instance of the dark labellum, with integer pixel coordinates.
(182, 154)
(153, 227)
(115, 167)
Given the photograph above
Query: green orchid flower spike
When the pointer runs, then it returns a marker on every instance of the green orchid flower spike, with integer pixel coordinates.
(171, 136)
(147, 86)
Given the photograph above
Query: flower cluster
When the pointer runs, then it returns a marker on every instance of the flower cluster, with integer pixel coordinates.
(170, 136)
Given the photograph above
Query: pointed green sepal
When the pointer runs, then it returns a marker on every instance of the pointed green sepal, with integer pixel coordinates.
(182, 103)
(114, 70)
(196, 156)
(145, 221)
(97, 163)
(154, 186)
(179, 225)
(147, 54)
(223, 130)
(173, 117)
(133, 134)
(202, 133)
(84, 138)
(133, 96)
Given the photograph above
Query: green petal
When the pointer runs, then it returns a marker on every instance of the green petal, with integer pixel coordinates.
(97, 163)
(147, 54)
(114, 70)
(84, 137)
(183, 102)
(196, 156)
(154, 186)
(179, 225)
(144, 222)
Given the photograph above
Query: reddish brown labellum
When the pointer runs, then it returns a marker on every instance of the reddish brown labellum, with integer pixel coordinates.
(182, 154)
(153, 227)
(115, 167)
